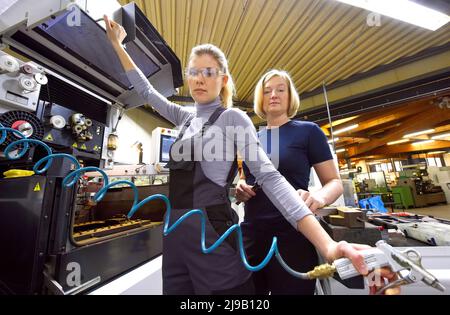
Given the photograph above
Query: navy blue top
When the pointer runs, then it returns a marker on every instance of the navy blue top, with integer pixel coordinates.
(301, 145)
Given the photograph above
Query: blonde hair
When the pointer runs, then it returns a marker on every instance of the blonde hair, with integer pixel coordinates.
(228, 90)
(294, 100)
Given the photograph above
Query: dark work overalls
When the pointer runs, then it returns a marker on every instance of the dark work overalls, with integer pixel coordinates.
(186, 269)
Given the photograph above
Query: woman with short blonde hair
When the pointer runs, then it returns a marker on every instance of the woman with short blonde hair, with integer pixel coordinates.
(294, 99)
(302, 145)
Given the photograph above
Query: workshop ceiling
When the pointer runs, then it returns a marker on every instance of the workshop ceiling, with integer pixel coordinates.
(376, 134)
(314, 40)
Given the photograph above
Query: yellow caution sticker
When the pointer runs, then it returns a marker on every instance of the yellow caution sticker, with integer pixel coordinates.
(96, 148)
(83, 147)
(37, 187)
(49, 137)
(75, 145)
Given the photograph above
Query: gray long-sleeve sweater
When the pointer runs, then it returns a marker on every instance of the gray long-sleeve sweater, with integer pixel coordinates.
(279, 191)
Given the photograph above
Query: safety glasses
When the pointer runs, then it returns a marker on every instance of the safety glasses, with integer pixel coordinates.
(205, 72)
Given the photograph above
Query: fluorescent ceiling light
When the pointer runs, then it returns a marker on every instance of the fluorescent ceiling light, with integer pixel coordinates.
(423, 142)
(444, 135)
(418, 133)
(340, 150)
(437, 152)
(404, 10)
(336, 139)
(398, 142)
(346, 129)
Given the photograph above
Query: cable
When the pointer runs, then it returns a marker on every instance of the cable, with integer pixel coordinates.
(329, 115)
(137, 169)
(19, 134)
(333, 70)
(72, 178)
(119, 118)
(3, 137)
(236, 227)
(75, 175)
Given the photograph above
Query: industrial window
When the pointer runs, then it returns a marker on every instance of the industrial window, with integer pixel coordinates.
(434, 161)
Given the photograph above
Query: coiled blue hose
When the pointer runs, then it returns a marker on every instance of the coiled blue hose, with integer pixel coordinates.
(73, 177)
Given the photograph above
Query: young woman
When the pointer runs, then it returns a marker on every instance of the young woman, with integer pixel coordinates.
(302, 145)
(203, 183)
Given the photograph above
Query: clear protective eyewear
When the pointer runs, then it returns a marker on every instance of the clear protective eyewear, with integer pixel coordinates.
(205, 72)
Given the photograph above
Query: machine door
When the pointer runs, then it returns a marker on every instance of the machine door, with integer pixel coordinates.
(25, 206)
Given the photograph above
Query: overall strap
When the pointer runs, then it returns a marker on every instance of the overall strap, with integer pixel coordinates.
(232, 173)
(212, 119)
(185, 126)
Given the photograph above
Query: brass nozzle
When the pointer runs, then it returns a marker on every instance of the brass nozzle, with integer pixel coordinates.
(322, 271)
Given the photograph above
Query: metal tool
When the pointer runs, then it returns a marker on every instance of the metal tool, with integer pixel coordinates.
(385, 255)
(255, 188)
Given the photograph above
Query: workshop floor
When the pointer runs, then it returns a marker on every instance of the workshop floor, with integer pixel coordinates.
(439, 211)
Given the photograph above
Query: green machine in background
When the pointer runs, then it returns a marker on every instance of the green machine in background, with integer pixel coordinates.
(403, 197)
(403, 194)
(415, 189)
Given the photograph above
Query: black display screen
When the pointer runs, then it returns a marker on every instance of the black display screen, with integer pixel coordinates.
(88, 42)
(166, 144)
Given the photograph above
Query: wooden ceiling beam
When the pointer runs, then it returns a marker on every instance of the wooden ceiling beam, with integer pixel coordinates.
(351, 139)
(389, 116)
(409, 148)
(426, 119)
(339, 122)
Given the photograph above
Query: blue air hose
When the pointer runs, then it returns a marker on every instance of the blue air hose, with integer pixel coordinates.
(73, 177)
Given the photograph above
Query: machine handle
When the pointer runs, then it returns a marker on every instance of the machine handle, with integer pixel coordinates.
(56, 288)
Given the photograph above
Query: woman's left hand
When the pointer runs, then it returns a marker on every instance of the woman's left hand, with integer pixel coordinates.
(312, 201)
(353, 252)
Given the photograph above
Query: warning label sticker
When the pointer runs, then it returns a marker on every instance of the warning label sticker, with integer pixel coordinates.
(37, 187)
(49, 137)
